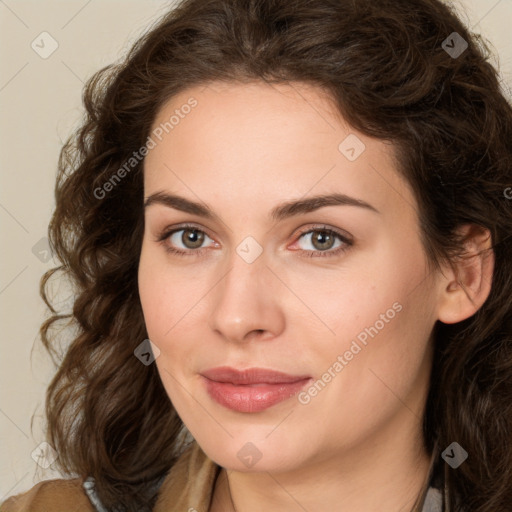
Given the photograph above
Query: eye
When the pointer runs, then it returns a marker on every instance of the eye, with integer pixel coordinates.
(322, 242)
(185, 240)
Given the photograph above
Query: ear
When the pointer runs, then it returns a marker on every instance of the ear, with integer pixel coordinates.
(466, 281)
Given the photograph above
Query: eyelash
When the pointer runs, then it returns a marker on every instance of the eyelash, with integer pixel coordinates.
(165, 234)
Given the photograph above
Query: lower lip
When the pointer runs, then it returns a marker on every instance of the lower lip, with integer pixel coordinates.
(252, 397)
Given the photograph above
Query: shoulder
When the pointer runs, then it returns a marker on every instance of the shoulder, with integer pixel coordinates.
(59, 495)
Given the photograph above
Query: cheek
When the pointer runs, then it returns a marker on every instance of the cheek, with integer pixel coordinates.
(161, 313)
(156, 300)
(344, 303)
(381, 318)
(166, 294)
(150, 292)
(171, 304)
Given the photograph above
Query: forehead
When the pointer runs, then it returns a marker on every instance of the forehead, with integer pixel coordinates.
(264, 143)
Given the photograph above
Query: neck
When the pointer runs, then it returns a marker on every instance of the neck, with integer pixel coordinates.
(382, 474)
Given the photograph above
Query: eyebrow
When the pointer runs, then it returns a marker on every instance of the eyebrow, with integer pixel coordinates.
(280, 212)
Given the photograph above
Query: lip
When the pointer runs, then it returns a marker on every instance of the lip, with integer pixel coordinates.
(253, 389)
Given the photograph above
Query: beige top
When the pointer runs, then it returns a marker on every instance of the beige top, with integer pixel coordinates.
(187, 487)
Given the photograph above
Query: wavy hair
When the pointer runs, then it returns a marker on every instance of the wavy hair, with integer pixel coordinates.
(390, 75)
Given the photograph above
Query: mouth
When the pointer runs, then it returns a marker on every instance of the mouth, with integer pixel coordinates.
(251, 390)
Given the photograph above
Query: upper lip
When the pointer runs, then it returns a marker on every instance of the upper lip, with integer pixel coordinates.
(250, 376)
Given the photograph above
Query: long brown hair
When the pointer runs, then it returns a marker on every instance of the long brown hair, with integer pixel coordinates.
(392, 75)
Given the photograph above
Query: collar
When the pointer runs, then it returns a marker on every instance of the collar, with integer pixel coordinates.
(189, 484)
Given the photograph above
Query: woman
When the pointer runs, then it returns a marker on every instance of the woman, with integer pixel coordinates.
(304, 206)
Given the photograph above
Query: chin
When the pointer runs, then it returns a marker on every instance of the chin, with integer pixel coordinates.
(253, 453)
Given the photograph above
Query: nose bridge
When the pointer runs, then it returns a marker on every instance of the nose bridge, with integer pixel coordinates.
(245, 299)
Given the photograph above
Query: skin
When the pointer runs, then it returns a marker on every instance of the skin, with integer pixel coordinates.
(243, 150)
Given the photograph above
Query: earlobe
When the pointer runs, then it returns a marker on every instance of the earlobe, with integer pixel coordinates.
(466, 284)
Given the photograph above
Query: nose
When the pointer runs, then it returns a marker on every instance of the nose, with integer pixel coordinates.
(246, 303)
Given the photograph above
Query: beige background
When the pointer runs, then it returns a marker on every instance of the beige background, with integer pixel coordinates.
(40, 102)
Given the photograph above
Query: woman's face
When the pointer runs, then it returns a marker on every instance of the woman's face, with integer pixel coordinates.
(347, 313)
